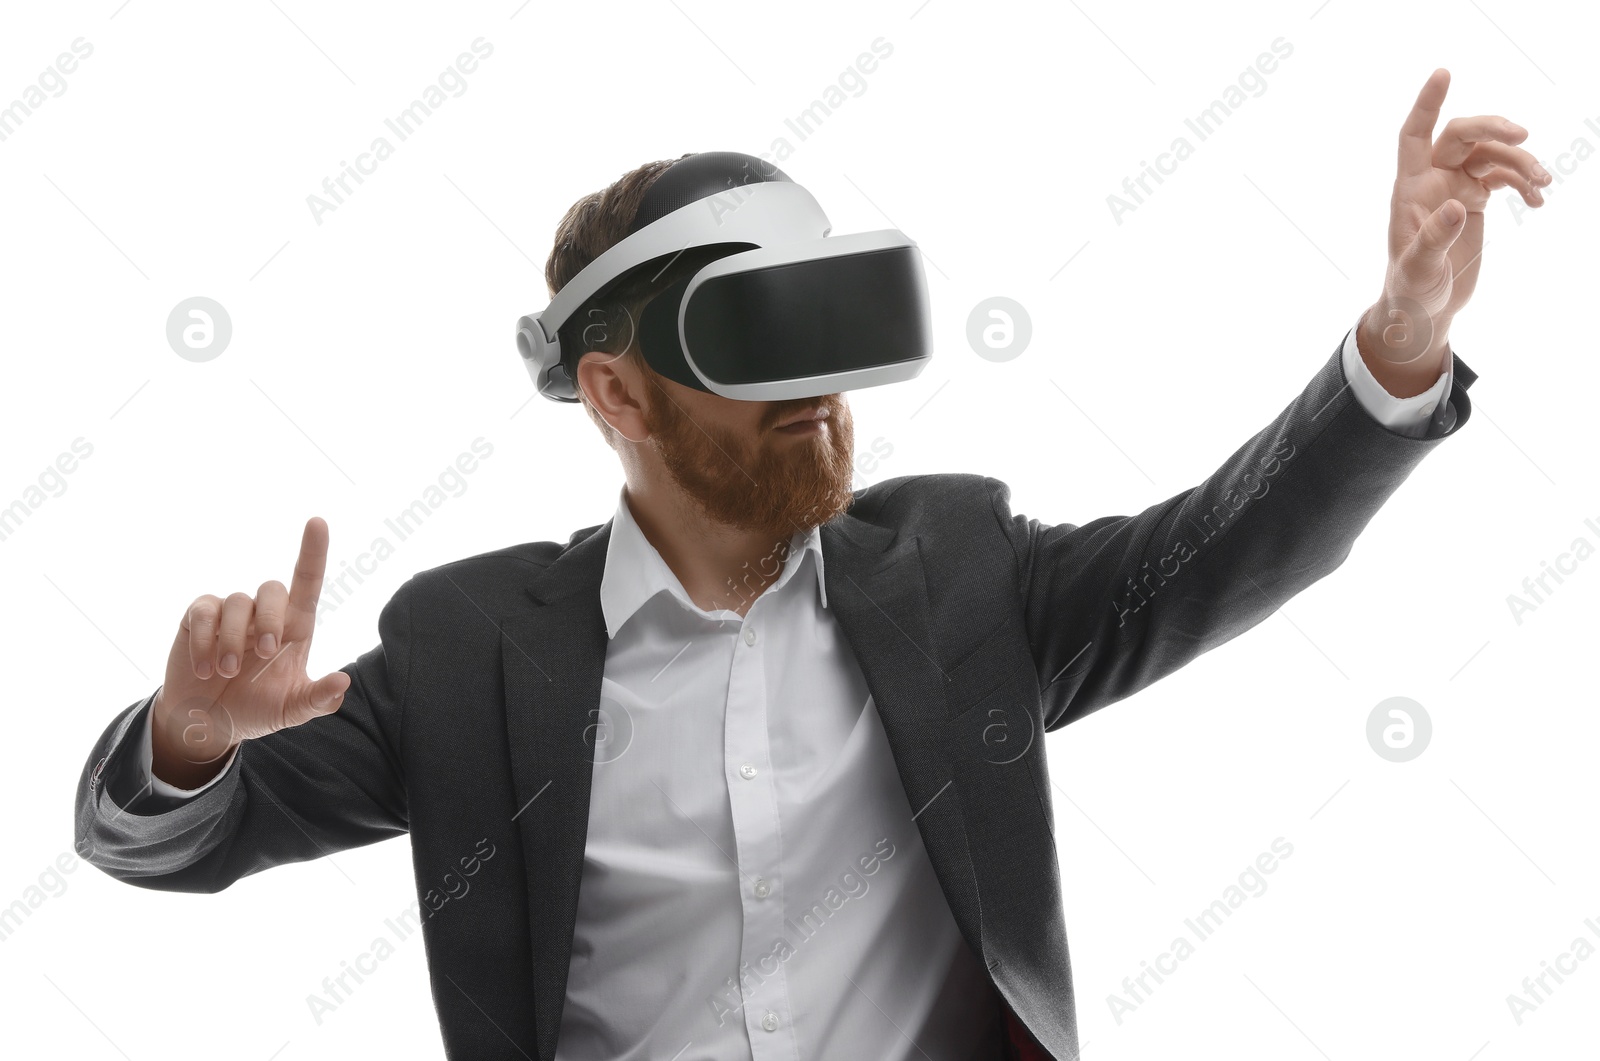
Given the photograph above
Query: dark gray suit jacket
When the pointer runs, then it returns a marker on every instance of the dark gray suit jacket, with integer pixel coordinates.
(978, 631)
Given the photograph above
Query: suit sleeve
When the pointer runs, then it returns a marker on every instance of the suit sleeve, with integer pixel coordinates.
(329, 784)
(1116, 604)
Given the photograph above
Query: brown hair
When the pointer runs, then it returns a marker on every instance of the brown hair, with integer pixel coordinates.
(609, 323)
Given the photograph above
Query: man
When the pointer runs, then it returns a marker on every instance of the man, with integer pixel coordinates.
(755, 769)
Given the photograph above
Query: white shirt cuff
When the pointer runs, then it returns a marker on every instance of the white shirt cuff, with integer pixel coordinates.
(1407, 416)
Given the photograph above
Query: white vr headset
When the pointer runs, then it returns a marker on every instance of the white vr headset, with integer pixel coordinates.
(785, 313)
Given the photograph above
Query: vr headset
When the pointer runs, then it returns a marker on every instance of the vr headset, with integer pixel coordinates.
(785, 312)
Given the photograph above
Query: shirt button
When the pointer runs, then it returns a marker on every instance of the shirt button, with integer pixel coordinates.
(749, 635)
(747, 771)
(1427, 409)
(770, 1021)
(763, 889)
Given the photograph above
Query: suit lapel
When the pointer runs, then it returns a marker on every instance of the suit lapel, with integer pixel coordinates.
(879, 595)
(553, 660)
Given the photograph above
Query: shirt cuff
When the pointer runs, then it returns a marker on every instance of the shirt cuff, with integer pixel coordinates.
(1406, 416)
(147, 761)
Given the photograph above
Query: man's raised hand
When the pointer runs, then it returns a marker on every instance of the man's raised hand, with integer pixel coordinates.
(1436, 233)
(237, 670)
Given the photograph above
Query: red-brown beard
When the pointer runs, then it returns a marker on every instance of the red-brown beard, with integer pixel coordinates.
(766, 483)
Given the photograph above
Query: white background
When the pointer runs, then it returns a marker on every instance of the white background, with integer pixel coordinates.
(369, 350)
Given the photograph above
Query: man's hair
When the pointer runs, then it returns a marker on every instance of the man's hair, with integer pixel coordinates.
(609, 323)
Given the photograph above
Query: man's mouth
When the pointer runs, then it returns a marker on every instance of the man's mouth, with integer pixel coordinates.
(805, 422)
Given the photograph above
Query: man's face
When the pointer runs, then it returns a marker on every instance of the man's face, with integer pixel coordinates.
(743, 469)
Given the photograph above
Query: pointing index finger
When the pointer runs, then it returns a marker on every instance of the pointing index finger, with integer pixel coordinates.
(1416, 135)
(306, 588)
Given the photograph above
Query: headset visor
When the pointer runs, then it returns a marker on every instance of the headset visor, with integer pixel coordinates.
(795, 321)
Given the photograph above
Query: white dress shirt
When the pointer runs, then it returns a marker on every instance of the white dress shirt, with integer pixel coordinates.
(746, 815)
(754, 885)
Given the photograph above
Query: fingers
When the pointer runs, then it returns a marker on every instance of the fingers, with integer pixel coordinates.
(1482, 147)
(1462, 135)
(1486, 155)
(1499, 165)
(272, 606)
(1500, 177)
(219, 631)
(1416, 135)
(236, 612)
(200, 621)
(306, 587)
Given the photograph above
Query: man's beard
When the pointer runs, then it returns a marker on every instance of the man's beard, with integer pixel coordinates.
(771, 484)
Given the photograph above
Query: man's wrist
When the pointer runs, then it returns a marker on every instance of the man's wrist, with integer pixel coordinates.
(174, 756)
(1403, 347)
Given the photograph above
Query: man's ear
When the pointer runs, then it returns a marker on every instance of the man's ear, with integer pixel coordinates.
(614, 388)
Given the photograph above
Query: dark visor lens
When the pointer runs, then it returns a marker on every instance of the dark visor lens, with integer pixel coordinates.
(811, 318)
(796, 320)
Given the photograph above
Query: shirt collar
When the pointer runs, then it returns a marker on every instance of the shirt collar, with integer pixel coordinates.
(635, 572)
